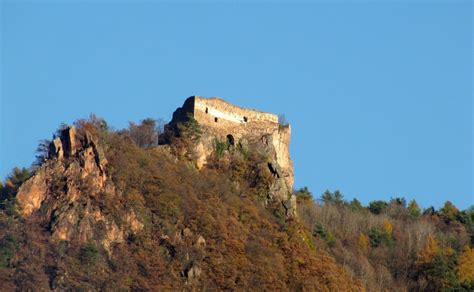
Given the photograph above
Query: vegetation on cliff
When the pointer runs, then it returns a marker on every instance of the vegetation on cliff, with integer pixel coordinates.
(201, 229)
(215, 228)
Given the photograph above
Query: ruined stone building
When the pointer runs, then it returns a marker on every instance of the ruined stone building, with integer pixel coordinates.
(225, 121)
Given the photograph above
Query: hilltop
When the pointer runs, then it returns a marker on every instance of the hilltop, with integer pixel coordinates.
(207, 203)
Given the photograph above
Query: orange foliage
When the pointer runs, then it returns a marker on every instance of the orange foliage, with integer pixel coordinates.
(428, 252)
(387, 227)
(466, 265)
(363, 242)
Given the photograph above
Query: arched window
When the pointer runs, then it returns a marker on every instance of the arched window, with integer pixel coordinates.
(230, 140)
(215, 119)
(245, 119)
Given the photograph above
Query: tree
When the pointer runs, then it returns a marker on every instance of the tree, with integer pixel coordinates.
(469, 222)
(145, 134)
(13, 182)
(378, 237)
(414, 209)
(437, 266)
(355, 205)
(363, 243)
(400, 201)
(387, 227)
(448, 212)
(327, 197)
(303, 194)
(440, 273)
(465, 269)
(430, 211)
(429, 251)
(377, 207)
(42, 152)
(18, 176)
(332, 198)
(375, 237)
(189, 129)
(338, 198)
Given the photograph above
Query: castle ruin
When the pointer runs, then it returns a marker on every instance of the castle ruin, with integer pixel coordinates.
(225, 121)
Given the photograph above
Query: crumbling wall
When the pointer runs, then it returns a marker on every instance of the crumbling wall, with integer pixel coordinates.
(227, 122)
(222, 118)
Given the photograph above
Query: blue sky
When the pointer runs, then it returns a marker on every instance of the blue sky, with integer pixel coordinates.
(379, 95)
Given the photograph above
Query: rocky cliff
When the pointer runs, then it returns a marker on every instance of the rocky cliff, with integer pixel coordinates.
(223, 122)
(62, 191)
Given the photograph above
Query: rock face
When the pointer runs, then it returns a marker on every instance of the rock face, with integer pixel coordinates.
(32, 193)
(63, 189)
(223, 121)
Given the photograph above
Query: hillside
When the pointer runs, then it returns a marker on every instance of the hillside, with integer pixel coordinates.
(207, 204)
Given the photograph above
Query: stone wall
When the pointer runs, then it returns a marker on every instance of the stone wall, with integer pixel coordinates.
(223, 120)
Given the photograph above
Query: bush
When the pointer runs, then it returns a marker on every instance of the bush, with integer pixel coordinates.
(88, 254)
(327, 236)
(220, 147)
(8, 246)
(244, 151)
(189, 128)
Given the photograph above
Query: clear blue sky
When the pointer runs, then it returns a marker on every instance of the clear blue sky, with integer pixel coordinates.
(379, 95)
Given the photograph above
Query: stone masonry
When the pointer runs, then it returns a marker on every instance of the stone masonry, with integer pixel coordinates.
(223, 120)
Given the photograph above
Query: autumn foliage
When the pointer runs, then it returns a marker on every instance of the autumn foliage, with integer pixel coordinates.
(215, 229)
(203, 230)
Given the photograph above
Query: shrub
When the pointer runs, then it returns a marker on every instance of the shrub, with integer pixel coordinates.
(8, 246)
(189, 128)
(375, 237)
(88, 254)
(244, 151)
(220, 147)
(327, 236)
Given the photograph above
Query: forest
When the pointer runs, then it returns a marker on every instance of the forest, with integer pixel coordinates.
(216, 229)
